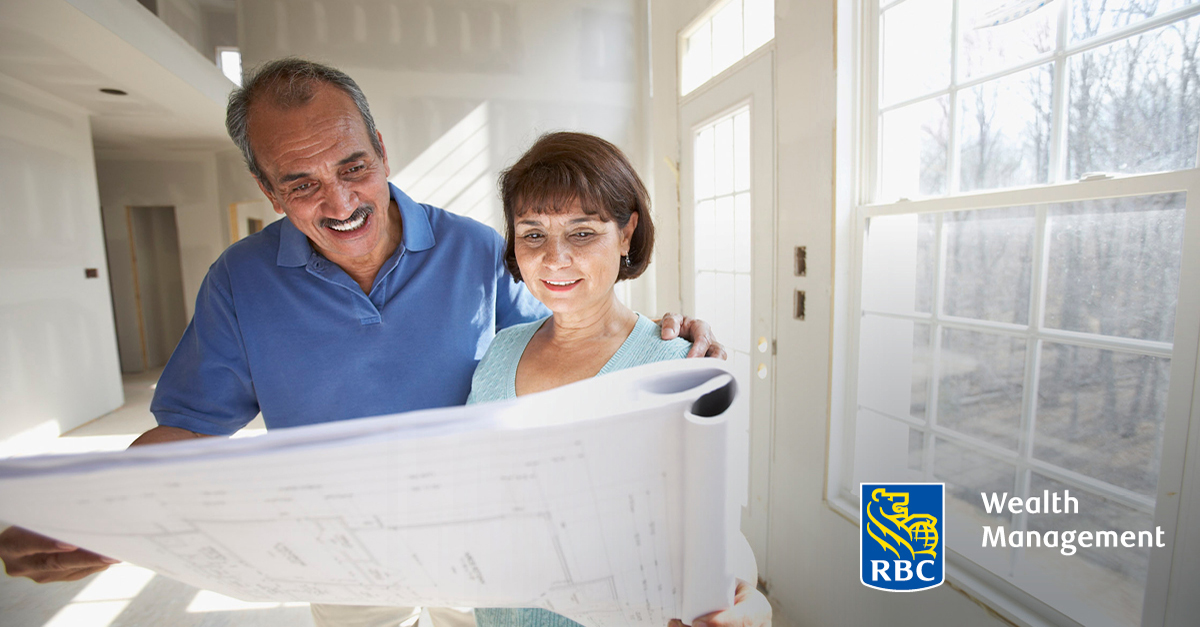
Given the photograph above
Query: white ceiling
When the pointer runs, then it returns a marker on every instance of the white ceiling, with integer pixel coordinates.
(73, 48)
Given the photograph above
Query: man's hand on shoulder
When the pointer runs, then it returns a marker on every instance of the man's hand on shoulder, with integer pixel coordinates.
(694, 330)
(42, 559)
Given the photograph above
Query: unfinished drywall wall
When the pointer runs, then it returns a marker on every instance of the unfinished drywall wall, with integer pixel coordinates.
(234, 185)
(204, 25)
(460, 89)
(183, 16)
(58, 352)
(810, 562)
(186, 181)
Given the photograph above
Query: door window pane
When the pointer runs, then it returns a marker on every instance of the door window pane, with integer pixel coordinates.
(759, 18)
(724, 152)
(742, 237)
(741, 151)
(697, 59)
(723, 242)
(725, 235)
(706, 235)
(705, 163)
(727, 37)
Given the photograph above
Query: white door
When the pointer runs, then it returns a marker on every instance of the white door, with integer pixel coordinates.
(727, 224)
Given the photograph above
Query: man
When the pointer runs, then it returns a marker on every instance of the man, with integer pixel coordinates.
(361, 303)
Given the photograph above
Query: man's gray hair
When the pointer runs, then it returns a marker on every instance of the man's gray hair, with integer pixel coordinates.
(288, 82)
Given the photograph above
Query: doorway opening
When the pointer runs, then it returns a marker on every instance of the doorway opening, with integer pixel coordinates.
(157, 283)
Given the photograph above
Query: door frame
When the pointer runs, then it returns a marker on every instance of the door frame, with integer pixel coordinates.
(748, 82)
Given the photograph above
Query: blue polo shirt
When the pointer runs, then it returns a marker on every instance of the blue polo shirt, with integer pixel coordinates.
(280, 329)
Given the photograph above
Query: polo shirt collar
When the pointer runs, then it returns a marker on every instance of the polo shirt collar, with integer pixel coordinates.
(418, 232)
(295, 251)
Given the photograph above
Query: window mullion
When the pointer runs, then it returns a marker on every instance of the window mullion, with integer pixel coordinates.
(953, 164)
(935, 346)
(1040, 272)
(861, 226)
(871, 96)
(1033, 362)
(1059, 106)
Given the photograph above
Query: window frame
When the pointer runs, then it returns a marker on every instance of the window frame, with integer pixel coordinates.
(1177, 499)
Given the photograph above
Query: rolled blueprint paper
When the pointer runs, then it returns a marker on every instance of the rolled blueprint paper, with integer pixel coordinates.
(603, 501)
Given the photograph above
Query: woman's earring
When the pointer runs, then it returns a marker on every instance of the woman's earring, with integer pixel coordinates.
(625, 261)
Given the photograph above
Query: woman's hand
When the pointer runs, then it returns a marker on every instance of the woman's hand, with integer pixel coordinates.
(694, 330)
(750, 609)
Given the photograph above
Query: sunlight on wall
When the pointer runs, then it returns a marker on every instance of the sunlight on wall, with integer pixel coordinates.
(455, 171)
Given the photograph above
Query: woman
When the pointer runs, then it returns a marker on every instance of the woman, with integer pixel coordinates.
(577, 221)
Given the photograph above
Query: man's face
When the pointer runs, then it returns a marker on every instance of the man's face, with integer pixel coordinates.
(325, 176)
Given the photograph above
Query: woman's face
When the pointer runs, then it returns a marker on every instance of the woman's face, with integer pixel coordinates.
(570, 260)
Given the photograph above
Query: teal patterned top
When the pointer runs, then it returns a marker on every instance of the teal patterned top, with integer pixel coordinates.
(496, 379)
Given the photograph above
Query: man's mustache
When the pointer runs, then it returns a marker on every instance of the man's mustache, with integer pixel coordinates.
(360, 213)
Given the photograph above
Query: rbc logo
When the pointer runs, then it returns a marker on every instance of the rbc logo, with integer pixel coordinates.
(901, 542)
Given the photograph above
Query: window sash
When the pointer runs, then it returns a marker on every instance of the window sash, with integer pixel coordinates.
(862, 203)
(870, 89)
(1182, 352)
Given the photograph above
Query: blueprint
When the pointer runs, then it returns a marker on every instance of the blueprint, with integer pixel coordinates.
(604, 501)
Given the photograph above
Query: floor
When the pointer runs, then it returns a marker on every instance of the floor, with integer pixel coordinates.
(126, 595)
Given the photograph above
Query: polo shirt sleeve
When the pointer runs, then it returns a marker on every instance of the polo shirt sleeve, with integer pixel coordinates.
(206, 386)
(514, 303)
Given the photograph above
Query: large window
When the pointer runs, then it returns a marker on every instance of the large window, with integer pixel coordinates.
(1027, 178)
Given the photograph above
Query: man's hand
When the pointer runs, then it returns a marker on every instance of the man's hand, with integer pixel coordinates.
(704, 343)
(42, 559)
(750, 609)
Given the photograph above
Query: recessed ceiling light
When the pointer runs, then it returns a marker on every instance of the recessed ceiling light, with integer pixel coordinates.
(115, 92)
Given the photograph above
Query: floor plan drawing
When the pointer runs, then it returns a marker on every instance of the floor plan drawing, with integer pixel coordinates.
(583, 500)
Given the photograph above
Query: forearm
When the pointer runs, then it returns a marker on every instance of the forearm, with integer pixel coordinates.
(161, 434)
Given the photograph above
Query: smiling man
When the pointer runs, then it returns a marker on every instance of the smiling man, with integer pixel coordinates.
(361, 303)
